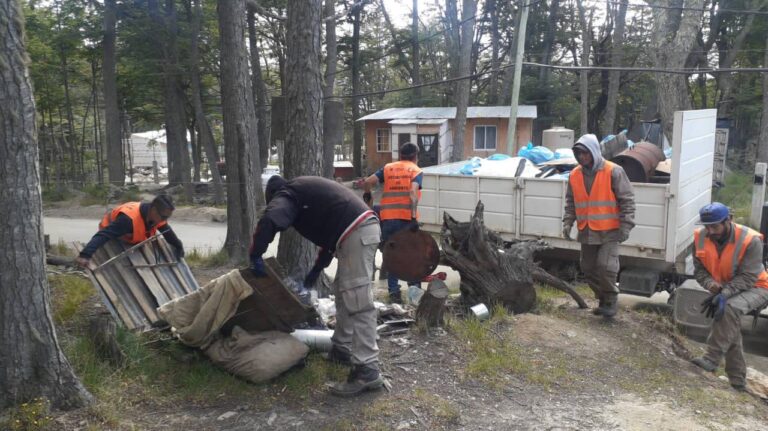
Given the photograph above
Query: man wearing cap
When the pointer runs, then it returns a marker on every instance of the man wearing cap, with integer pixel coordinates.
(335, 219)
(399, 201)
(601, 202)
(728, 263)
(133, 222)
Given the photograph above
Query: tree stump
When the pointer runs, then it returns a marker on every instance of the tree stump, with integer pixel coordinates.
(431, 307)
(494, 271)
(103, 331)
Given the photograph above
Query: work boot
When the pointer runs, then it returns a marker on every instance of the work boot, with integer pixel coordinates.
(338, 356)
(600, 306)
(705, 364)
(739, 388)
(361, 378)
(610, 305)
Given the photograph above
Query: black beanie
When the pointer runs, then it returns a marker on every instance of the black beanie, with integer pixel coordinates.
(275, 183)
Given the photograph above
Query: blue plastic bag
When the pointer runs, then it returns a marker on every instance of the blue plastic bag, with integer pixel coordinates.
(498, 156)
(537, 155)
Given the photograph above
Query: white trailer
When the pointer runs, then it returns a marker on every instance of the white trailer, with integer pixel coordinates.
(532, 208)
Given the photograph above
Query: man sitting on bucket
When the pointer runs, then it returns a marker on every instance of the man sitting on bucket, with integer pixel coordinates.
(336, 220)
(133, 222)
(729, 264)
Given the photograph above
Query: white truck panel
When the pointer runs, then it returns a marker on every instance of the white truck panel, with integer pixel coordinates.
(533, 208)
(691, 179)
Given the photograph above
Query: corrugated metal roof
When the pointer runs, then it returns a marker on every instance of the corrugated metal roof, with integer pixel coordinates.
(419, 121)
(523, 111)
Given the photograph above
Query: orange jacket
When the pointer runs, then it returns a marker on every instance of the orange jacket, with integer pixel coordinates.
(131, 209)
(396, 198)
(722, 266)
(598, 209)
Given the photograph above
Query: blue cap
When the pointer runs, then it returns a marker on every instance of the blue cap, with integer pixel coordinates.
(713, 213)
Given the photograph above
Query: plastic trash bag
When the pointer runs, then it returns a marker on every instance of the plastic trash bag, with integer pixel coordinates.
(536, 154)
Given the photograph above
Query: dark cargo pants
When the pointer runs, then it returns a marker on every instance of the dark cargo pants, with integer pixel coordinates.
(600, 265)
(725, 336)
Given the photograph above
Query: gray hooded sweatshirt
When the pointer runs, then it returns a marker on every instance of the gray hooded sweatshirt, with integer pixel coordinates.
(621, 187)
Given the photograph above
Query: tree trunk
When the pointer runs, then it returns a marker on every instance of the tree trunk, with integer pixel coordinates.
(762, 146)
(416, 54)
(330, 49)
(244, 193)
(673, 35)
(549, 39)
(357, 131)
(614, 77)
(259, 92)
(463, 86)
(179, 165)
(304, 122)
(113, 139)
(493, 85)
(586, 36)
(32, 363)
(205, 134)
(727, 55)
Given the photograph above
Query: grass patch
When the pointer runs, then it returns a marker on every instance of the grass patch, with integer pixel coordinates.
(61, 248)
(30, 416)
(95, 194)
(130, 194)
(444, 411)
(68, 293)
(56, 193)
(548, 299)
(737, 195)
(202, 259)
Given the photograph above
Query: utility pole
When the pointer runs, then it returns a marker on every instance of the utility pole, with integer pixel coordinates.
(512, 126)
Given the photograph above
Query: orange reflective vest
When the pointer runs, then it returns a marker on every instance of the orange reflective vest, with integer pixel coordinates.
(396, 198)
(131, 209)
(598, 209)
(722, 266)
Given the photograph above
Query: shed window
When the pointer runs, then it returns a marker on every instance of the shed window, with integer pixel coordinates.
(485, 138)
(383, 140)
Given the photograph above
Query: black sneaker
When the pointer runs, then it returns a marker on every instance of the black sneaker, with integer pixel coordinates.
(338, 356)
(610, 305)
(600, 307)
(739, 388)
(361, 378)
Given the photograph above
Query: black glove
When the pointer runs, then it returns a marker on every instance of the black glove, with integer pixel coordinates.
(312, 277)
(714, 306)
(257, 266)
(368, 198)
(413, 226)
(179, 253)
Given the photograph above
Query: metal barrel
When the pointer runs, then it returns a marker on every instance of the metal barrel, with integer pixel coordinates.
(639, 162)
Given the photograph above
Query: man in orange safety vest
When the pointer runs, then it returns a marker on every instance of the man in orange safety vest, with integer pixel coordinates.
(729, 264)
(601, 202)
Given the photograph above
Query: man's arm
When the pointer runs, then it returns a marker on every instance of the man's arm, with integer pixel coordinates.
(414, 195)
(172, 239)
(368, 185)
(279, 216)
(569, 212)
(746, 273)
(120, 226)
(703, 277)
(625, 198)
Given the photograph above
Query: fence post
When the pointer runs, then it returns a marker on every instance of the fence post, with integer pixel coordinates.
(758, 195)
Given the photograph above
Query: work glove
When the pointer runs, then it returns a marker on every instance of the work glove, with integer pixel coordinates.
(179, 251)
(368, 199)
(413, 226)
(257, 266)
(567, 232)
(714, 306)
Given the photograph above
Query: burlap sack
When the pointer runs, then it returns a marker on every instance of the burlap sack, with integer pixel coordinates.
(257, 357)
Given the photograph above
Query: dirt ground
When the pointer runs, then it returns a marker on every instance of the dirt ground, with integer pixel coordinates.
(564, 369)
(561, 368)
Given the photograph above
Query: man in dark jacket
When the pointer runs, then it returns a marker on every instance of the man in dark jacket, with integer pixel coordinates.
(341, 224)
(601, 201)
(133, 222)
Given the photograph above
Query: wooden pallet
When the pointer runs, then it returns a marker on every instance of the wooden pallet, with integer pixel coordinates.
(134, 280)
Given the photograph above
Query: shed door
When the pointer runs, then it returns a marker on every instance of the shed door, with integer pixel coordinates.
(428, 150)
